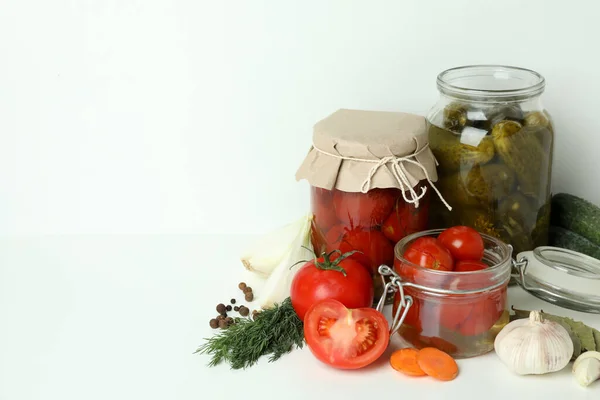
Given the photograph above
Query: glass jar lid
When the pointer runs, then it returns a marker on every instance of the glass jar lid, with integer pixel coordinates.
(563, 277)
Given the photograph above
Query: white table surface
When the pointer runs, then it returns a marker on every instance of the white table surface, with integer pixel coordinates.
(118, 317)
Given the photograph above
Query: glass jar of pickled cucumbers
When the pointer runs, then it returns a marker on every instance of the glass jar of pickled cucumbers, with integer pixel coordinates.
(493, 140)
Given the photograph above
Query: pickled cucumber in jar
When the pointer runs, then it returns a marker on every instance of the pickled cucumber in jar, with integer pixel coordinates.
(494, 165)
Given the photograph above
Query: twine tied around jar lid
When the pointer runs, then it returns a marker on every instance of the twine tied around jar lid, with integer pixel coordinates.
(399, 172)
(360, 150)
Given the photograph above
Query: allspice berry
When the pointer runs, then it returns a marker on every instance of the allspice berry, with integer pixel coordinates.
(249, 296)
(244, 311)
(221, 308)
(248, 289)
(242, 285)
(222, 324)
(220, 317)
(214, 323)
(229, 321)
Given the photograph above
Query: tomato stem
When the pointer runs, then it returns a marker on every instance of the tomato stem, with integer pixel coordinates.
(333, 265)
(327, 264)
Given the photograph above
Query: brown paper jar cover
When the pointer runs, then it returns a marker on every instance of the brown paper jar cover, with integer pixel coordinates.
(358, 150)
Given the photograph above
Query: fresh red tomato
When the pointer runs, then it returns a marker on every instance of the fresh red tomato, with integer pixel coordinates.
(404, 220)
(464, 243)
(340, 278)
(427, 252)
(365, 210)
(322, 208)
(467, 266)
(345, 338)
(373, 247)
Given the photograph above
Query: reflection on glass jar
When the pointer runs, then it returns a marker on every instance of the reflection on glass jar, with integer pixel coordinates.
(458, 312)
(369, 223)
(494, 143)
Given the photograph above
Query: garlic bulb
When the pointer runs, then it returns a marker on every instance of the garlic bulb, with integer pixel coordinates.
(273, 255)
(534, 345)
(587, 368)
(269, 250)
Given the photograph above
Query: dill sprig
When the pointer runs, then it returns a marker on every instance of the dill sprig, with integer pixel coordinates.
(274, 332)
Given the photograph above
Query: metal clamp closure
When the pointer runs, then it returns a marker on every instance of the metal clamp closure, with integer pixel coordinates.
(521, 267)
(394, 285)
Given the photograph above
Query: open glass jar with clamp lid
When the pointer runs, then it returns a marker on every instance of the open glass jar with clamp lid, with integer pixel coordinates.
(559, 276)
(457, 312)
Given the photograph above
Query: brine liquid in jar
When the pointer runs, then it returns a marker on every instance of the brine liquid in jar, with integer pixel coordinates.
(369, 223)
(494, 144)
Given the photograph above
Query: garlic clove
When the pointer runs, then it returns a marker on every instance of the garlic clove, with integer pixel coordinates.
(269, 250)
(534, 345)
(587, 368)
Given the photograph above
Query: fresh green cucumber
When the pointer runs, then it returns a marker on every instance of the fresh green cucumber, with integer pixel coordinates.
(565, 239)
(576, 215)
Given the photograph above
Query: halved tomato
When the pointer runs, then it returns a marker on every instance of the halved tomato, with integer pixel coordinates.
(345, 338)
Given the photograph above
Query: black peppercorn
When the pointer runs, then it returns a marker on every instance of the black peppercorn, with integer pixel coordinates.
(236, 308)
(249, 296)
(242, 285)
(228, 308)
(232, 301)
(244, 311)
(214, 323)
(221, 308)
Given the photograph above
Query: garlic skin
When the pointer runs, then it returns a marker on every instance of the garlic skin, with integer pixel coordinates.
(534, 346)
(271, 249)
(587, 368)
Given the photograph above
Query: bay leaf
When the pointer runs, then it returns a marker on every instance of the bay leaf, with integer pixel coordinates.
(519, 314)
(584, 333)
(577, 345)
(596, 333)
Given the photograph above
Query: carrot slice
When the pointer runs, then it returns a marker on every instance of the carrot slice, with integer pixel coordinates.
(405, 361)
(437, 364)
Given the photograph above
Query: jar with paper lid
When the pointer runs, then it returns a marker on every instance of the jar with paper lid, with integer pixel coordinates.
(493, 140)
(370, 174)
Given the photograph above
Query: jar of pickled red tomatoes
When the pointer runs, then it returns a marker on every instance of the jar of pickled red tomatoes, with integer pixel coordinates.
(457, 312)
(370, 173)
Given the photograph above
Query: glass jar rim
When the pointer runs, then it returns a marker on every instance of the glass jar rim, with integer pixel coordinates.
(490, 82)
(505, 263)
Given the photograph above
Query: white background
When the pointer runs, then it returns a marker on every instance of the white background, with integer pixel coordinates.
(147, 116)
